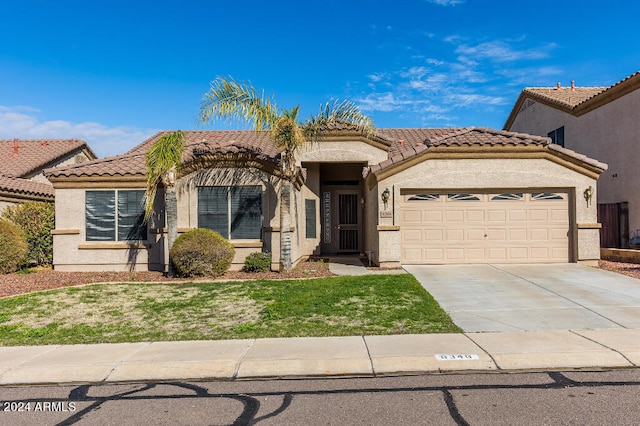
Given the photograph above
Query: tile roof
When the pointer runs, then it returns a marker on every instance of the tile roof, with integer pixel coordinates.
(403, 144)
(574, 100)
(22, 157)
(132, 165)
(10, 185)
(453, 137)
(564, 96)
(199, 142)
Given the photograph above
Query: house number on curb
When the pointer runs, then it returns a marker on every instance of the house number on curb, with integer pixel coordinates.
(456, 357)
(327, 216)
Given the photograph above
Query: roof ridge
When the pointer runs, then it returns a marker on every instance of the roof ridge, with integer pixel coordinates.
(457, 131)
(515, 134)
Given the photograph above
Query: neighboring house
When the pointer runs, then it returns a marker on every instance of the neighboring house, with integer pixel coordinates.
(602, 123)
(466, 195)
(22, 165)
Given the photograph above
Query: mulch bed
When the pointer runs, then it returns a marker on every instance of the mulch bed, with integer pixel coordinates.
(47, 279)
(630, 269)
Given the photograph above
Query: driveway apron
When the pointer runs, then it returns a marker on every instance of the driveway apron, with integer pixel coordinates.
(495, 298)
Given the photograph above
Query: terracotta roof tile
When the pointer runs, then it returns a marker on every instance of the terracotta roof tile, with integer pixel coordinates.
(21, 157)
(572, 97)
(574, 100)
(469, 136)
(198, 142)
(565, 96)
(580, 157)
(404, 144)
(120, 165)
(484, 136)
(13, 185)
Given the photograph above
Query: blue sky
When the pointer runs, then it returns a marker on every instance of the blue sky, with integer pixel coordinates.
(115, 72)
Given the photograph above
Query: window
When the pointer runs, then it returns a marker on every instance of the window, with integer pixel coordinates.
(424, 197)
(115, 216)
(557, 136)
(462, 197)
(310, 218)
(235, 212)
(507, 196)
(535, 196)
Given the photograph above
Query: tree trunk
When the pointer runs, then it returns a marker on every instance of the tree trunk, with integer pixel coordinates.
(285, 225)
(171, 208)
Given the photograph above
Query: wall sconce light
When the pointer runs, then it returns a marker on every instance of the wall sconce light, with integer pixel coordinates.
(385, 197)
(588, 195)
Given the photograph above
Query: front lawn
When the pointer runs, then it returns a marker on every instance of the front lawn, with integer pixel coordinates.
(332, 306)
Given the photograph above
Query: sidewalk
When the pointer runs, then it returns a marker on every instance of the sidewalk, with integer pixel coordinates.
(361, 356)
(320, 357)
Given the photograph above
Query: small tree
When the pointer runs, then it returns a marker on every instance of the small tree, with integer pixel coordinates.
(230, 99)
(163, 160)
(37, 220)
(13, 246)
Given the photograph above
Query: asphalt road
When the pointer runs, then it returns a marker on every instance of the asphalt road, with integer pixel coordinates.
(541, 398)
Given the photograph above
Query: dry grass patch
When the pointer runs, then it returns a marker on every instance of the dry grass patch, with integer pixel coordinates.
(333, 306)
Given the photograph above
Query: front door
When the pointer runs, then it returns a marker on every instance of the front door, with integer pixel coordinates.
(343, 233)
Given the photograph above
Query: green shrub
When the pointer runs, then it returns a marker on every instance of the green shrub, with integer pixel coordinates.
(36, 219)
(257, 262)
(201, 252)
(14, 247)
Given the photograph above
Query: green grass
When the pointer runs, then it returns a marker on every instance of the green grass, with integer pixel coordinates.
(334, 306)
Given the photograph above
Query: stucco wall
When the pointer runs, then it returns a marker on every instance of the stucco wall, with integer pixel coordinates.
(462, 174)
(610, 134)
(187, 196)
(71, 251)
(342, 152)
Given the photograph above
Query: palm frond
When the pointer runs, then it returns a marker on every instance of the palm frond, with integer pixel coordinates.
(338, 115)
(164, 157)
(288, 136)
(237, 101)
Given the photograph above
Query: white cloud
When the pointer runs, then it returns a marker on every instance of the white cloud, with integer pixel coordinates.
(384, 102)
(22, 122)
(376, 77)
(502, 52)
(466, 99)
(446, 2)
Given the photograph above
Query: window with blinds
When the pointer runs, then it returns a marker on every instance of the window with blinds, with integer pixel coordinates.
(115, 215)
(233, 211)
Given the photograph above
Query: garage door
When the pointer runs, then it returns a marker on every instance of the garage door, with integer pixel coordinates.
(499, 227)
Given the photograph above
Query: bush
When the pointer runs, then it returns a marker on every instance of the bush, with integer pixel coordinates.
(257, 262)
(36, 219)
(14, 247)
(201, 252)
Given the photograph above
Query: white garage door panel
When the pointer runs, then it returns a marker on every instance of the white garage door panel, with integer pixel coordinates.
(484, 227)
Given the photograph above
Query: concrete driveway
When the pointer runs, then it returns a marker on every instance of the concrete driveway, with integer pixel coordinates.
(494, 298)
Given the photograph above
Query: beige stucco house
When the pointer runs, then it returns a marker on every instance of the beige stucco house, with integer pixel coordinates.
(23, 162)
(403, 196)
(602, 123)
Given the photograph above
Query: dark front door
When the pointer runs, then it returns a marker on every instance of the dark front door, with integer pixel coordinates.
(348, 224)
(342, 219)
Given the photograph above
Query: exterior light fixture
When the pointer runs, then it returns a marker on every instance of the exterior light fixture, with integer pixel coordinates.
(385, 197)
(588, 195)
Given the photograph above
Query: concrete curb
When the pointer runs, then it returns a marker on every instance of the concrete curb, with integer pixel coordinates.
(359, 356)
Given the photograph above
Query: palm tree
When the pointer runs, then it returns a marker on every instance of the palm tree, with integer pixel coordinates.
(163, 160)
(240, 101)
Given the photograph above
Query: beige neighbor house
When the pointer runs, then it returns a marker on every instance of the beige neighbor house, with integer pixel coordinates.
(404, 196)
(603, 123)
(22, 165)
